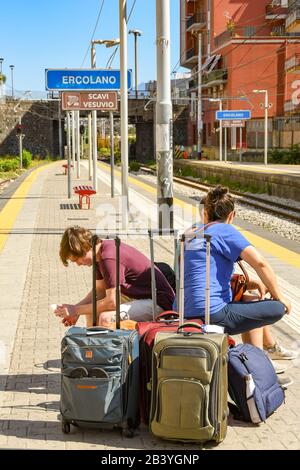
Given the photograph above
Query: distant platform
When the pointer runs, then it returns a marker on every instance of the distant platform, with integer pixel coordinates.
(276, 180)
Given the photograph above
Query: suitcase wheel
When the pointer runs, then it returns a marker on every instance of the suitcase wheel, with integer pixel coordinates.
(65, 427)
(128, 432)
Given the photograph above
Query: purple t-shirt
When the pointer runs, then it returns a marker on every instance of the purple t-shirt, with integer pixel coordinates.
(135, 274)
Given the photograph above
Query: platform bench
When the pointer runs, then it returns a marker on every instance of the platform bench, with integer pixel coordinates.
(84, 191)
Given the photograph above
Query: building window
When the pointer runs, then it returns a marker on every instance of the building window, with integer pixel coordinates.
(249, 31)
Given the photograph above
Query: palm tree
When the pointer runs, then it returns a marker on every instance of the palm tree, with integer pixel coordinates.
(2, 79)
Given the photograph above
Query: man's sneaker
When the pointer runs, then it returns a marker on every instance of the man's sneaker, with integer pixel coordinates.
(279, 352)
(285, 382)
(279, 369)
(79, 373)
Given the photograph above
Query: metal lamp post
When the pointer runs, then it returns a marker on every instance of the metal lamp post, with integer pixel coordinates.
(219, 100)
(136, 33)
(266, 106)
(12, 80)
(108, 43)
(1, 62)
(164, 128)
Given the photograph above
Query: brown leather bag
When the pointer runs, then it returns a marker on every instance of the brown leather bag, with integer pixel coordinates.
(239, 284)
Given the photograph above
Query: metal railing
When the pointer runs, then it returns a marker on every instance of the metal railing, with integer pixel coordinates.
(216, 75)
(291, 107)
(191, 53)
(276, 7)
(224, 37)
(197, 18)
(292, 16)
(292, 62)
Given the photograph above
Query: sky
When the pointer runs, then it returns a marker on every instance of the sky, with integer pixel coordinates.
(38, 34)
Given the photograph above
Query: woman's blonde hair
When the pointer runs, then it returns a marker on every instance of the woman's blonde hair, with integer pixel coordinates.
(76, 241)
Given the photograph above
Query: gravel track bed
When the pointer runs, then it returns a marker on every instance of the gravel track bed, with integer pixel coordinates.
(275, 224)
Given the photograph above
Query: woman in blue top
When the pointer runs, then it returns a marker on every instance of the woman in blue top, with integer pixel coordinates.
(228, 245)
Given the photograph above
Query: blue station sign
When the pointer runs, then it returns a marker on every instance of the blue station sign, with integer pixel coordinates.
(84, 79)
(233, 115)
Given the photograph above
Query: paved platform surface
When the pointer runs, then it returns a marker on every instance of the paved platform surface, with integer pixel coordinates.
(31, 278)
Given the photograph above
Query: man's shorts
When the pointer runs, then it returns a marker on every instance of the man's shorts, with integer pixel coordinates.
(138, 310)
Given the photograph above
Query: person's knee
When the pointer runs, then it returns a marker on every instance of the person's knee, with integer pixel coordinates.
(277, 312)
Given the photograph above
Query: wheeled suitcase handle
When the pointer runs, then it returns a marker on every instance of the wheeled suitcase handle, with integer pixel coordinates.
(94, 330)
(189, 325)
(171, 314)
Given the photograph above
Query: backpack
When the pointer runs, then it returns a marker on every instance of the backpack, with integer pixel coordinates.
(168, 273)
(252, 384)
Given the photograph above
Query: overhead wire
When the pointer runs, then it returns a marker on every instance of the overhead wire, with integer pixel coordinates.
(92, 37)
(113, 55)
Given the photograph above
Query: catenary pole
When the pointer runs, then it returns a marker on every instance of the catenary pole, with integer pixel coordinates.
(94, 125)
(164, 132)
(199, 114)
(124, 109)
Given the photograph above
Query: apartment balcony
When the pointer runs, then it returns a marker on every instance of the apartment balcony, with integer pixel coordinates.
(291, 108)
(292, 64)
(279, 30)
(223, 38)
(276, 10)
(215, 77)
(191, 56)
(292, 22)
(196, 22)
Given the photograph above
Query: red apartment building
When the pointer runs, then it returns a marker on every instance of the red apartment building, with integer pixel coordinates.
(246, 45)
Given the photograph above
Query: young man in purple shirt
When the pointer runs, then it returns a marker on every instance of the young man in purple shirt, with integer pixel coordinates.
(135, 281)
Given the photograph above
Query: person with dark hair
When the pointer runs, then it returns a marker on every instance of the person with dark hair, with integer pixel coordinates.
(228, 245)
(135, 280)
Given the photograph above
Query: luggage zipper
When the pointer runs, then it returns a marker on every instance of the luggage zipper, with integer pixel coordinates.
(162, 351)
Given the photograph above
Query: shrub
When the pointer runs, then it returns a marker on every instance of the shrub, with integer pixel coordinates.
(104, 152)
(26, 158)
(11, 164)
(290, 156)
(134, 166)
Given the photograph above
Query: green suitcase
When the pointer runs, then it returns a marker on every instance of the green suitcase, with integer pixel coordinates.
(189, 379)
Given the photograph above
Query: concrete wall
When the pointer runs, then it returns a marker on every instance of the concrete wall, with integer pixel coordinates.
(39, 124)
(144, 142)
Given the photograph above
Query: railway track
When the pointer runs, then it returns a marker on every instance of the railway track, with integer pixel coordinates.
(274, 208)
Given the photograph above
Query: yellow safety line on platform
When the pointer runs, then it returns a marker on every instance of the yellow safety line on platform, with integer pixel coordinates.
(11, 210)
(287, 256)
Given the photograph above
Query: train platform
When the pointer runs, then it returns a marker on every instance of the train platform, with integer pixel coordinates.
(33, 215)
(274, 179)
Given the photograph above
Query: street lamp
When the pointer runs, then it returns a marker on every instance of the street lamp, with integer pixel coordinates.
(12, 80)
(136, 33)
(219, 100)
(1, 61)
(266, 121)
(108, 43)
